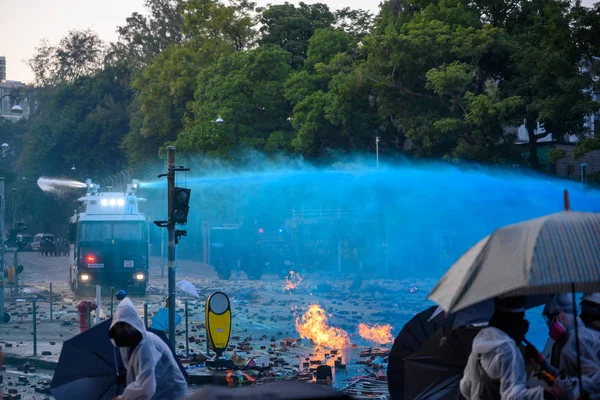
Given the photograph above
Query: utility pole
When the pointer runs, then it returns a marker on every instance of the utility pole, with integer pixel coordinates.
(171, 249)
(162, 253)
(2, 243)
(177, 205)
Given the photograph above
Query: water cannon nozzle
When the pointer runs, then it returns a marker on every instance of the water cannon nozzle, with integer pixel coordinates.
(92, 188)
(133, 186)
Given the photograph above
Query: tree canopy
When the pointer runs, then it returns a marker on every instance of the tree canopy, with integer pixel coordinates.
(442, 79)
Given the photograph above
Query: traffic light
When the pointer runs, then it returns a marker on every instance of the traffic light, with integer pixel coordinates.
(21, 227)
(181, 199)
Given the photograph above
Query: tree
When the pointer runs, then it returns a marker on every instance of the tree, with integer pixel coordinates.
(291, 27)
(331, 101)
(164, 89)
(11, 133)
(548, 77)
(78, 54)
(80, 123)
(243, 86)
(432, 77)
(211, 23)
(144, 37)
(357, 23)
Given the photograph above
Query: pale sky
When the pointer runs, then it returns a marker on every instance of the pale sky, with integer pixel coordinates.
(23, 23)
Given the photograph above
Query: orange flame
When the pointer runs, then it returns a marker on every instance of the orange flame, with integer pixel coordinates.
(313, 325)
(380, 334)
(292, 281)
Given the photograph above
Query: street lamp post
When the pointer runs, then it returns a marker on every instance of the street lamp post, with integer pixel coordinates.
(377, 150)
(219, 121)
(16, 109)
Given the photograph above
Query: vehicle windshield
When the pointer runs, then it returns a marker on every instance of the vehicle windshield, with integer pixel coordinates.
(102, 231)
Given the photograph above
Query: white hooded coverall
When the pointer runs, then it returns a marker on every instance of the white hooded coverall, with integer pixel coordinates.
(501, 359)
(152, 372)
(589, 349)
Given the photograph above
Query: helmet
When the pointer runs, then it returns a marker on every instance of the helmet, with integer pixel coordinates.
(591, 298)
(559, 303)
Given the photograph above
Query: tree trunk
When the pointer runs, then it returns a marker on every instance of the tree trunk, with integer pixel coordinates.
(533, 155)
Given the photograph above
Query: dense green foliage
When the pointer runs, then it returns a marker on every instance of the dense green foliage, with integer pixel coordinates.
(440, 79)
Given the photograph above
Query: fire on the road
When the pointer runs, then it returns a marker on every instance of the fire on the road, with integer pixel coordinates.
(292, 281)
(380, 334)
(313, 325)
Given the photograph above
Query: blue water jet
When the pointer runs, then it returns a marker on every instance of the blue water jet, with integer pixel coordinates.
(427, 214)
(424, 216)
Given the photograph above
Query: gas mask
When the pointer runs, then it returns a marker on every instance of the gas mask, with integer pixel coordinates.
(556, 329)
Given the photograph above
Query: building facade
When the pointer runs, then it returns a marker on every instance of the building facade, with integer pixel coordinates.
(11, 93)
(2, 68)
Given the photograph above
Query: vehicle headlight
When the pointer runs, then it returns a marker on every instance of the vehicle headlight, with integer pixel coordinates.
(84, 277)
(139, 276)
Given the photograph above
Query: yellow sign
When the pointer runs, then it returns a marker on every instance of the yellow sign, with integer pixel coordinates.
(218, 321)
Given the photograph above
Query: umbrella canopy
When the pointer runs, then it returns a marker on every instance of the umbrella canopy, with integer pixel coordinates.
(553, 254)
(87, 366)
(412, 336)
(160, 321)
(435, 371)
(188, 287)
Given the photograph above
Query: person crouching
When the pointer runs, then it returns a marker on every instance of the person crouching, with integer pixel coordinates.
(152, 371)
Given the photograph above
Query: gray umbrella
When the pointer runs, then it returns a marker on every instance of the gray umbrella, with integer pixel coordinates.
(557, 253)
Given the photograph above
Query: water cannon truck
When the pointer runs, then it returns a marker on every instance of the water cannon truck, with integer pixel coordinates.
(109, 241)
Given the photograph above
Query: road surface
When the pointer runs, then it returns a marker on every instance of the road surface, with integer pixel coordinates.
(264, 312)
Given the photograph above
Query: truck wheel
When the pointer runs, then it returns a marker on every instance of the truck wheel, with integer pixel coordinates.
(79, 291)
(222, 269)
(224, 273)
(254, 274)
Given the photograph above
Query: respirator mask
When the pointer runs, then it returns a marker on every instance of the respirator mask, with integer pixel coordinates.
(557, 331)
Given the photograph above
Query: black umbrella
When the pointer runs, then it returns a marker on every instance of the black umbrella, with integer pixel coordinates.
(87, 367)
(435, 371)
(88, 364)
(410, 339)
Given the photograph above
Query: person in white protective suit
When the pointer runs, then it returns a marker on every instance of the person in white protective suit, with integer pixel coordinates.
(559, 317)
(152, 372)
(590, 312)
(496, 369)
